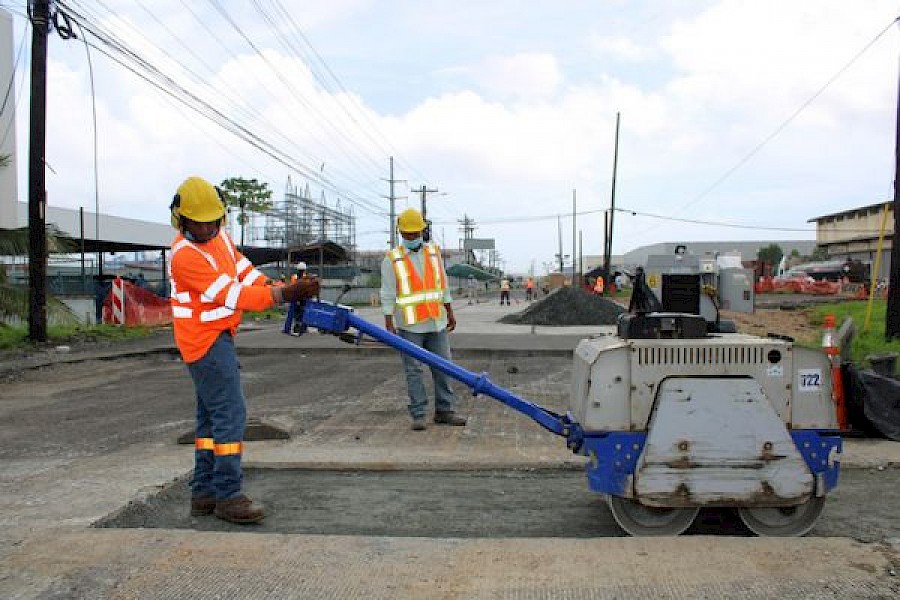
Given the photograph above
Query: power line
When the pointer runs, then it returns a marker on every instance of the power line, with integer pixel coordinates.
(352, 99)
(787, 121)
(119, 52)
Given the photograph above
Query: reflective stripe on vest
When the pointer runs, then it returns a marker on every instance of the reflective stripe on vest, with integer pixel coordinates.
(204, 443)
(252, 276)
(209, 295)
(227, 449)
(236, 284)
(418, 296)
(222, 312)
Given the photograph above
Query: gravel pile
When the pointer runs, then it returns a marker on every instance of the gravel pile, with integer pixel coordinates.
(568, 306)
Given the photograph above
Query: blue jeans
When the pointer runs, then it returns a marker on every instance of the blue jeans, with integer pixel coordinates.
(221, 417)
(437, 342)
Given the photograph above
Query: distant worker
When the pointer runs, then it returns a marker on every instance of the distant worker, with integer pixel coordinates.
(417, 306)
(299, 271)
(529, 289)
(298, 327)
(212, 284)
(598, 285)
(504, 291)
(472, 289)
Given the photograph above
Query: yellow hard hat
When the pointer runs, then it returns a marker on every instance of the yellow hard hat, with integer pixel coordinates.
(410, 221)
(197, 200)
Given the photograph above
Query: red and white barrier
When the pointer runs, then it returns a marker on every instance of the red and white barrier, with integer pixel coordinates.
(128, 304)
(118, 302)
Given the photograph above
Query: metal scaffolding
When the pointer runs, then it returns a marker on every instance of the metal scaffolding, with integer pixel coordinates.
(298, 220)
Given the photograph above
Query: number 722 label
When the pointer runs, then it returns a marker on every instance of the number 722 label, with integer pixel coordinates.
(810, 380)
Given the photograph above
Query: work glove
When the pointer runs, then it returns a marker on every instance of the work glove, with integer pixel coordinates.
(303, 289)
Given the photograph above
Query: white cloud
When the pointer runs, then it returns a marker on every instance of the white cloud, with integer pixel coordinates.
(620, 47)
(524, 75)
(520, 129)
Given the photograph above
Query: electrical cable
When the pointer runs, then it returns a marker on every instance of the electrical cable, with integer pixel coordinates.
(155, 77)
(71, 34)
(9, 126)
(297, 95)
(390, 148)
(787, 121)
(114, 42)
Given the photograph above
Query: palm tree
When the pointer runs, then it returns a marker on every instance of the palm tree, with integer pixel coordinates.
(14, 300)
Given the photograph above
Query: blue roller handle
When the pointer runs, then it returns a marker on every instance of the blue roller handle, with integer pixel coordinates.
(337, 319)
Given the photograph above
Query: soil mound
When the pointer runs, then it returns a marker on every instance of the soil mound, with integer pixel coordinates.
(568, 306)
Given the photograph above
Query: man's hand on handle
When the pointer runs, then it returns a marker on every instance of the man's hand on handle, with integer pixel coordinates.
(303, 289)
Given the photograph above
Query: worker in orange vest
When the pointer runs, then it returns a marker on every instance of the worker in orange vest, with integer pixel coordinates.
(598, 285)
(529, 289)
(212, 284)
(417, 306)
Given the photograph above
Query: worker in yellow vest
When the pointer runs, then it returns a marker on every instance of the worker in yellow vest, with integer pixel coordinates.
(417, 306)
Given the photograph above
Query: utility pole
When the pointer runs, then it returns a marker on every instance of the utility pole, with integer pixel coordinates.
(607, 253)
(467, 227)
(37, 193)
(580, 258)
(892, 320)
(425, 191)
(559, 238)
(574, 254)
(392, 226)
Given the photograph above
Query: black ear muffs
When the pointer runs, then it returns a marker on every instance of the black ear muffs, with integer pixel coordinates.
(176, 202)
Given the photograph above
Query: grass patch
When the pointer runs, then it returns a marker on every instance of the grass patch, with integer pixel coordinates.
(17, 337)
(865, 342)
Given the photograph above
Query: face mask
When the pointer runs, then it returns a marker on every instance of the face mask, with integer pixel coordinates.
(189, 236)
(412, 245)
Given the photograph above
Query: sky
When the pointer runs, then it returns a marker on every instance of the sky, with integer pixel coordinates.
(756, 113)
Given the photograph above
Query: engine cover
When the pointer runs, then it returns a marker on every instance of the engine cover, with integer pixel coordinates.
(616, 382)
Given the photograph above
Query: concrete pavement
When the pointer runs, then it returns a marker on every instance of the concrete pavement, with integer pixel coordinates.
(48, 501)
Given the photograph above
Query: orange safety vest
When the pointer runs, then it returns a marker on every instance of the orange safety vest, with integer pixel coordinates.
(598, 285)
(419, 298)
(212, 284)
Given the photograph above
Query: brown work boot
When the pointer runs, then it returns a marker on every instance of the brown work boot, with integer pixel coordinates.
(449, 418)
(418, 424)
(202, 505)
(240, 509)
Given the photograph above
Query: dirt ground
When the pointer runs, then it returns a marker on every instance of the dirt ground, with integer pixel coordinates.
(793, 323)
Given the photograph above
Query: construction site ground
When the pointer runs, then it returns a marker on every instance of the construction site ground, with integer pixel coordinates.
(362, 507)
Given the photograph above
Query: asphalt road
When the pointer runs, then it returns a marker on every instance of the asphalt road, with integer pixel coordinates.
(485, 504)
(97, 407)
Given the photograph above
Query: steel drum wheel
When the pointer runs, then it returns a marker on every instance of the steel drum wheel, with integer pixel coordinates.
(639, 520)
(785, 521)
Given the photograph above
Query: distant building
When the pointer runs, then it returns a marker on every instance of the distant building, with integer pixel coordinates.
(853, 235)
(747, 250)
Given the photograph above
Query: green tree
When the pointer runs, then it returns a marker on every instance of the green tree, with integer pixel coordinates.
(248, 195)
(770, 254)
(14, 299)
(820, 253)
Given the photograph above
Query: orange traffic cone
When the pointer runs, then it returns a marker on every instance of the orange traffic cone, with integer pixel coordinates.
(829, 345)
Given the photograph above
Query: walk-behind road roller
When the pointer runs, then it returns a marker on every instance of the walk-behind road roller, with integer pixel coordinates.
(673, 418)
